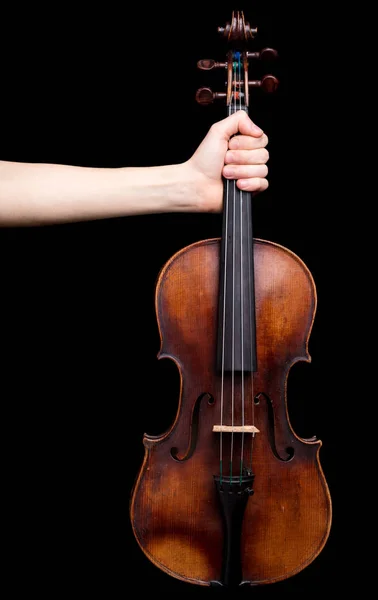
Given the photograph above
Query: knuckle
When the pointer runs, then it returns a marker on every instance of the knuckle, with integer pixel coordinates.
(229, 157)
(262, 183)
(233, 144)
(256, 183)
(215, 127)
(261, 156)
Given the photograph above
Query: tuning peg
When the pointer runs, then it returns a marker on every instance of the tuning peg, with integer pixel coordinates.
(268, 83)
(207, 64)
(265, 54)
(205, 95)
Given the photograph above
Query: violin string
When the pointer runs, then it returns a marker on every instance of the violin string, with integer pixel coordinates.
(233, 302)
(250, 258)
(236, 193)
(225, 208)
(250, 306)
(235, 104)
(240, 193)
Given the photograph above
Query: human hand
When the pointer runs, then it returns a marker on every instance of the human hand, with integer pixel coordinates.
(235, 148)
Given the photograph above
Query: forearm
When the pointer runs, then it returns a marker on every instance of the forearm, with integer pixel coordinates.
(34, 194)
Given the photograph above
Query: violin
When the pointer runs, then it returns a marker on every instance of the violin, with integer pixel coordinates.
(230, 495)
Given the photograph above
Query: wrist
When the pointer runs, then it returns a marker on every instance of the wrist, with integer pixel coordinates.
(167, 188)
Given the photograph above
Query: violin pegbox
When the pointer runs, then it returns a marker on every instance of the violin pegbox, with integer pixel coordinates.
(238, 34)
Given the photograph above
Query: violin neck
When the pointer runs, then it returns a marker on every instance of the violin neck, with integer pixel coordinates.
(236, 342)
(235, 106)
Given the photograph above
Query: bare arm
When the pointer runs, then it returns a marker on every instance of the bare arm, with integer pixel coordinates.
(35, 193)
(46, 193)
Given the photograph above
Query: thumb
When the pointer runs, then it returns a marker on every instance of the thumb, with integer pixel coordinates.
(238, 122)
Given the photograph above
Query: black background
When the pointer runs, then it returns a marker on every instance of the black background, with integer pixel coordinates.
(80, 381)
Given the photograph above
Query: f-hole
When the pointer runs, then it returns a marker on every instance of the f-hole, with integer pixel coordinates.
(271, 429)
(194, 425)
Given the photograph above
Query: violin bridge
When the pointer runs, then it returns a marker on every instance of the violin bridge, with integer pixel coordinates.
(235, 429)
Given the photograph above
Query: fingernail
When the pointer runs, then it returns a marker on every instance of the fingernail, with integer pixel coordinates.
(257, 129)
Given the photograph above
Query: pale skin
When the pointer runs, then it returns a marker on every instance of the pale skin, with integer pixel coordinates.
(42, 194)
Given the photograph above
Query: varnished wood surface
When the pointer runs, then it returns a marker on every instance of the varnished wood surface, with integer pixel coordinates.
(174, 509)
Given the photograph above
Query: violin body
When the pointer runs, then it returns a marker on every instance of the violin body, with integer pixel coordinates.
(230, 495)
(174, 511)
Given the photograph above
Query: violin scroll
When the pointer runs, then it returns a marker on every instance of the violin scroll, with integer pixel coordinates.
(238, 30)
